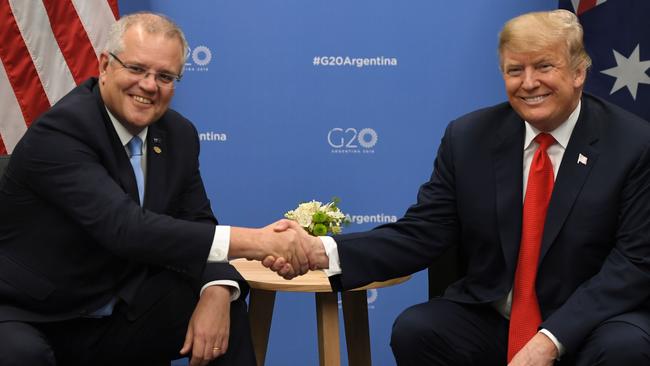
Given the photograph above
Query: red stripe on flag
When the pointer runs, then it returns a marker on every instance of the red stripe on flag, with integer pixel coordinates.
(585, 5)
(114, 8)
(20, 69)
(3, 149)
(72, 38)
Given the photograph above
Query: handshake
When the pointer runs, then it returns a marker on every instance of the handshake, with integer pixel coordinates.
(283, 246)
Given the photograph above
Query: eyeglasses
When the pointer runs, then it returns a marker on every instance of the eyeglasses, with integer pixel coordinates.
(163, 79)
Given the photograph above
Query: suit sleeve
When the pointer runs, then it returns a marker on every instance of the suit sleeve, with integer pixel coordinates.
(427, 229)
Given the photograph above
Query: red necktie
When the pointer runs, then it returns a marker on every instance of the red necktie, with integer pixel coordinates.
(525, 316)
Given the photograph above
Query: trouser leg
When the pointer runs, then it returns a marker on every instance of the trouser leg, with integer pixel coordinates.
(23, 344)
(441, 332)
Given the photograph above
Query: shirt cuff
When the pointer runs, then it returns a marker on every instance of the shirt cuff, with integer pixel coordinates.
(558, 345)
(235, 292)
(220, 245)
(332, 252)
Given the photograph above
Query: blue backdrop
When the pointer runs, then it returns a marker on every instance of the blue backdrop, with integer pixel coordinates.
(302, 99)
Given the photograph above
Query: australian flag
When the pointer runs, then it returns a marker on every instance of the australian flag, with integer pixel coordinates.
(617, 37)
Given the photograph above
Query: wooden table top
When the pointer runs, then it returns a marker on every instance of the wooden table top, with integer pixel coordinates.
(260, 277)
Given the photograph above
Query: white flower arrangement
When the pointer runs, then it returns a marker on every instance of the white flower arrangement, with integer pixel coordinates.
(317, 218)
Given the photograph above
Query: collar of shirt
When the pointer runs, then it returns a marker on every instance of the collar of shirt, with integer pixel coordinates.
(126, 136)
(561, 134)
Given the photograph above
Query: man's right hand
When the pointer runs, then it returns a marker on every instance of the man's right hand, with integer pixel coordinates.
(312, 246)
(258, 244)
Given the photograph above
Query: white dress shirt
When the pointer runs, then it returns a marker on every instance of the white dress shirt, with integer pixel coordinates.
(562, 134)
(221, 239)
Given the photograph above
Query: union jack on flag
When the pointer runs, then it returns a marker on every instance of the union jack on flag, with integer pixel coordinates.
(617, 37)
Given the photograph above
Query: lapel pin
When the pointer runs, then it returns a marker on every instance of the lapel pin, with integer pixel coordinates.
(582, 159)
(157, 141)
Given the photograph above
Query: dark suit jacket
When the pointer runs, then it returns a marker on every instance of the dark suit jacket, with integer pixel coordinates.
(72, 234)
(595, 255)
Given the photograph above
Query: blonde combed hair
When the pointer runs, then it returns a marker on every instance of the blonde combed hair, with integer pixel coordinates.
(540, 30)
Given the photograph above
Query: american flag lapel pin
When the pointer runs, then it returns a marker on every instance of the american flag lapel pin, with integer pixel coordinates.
(582, 159)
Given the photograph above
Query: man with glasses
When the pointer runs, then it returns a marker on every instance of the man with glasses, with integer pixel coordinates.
(109, 251)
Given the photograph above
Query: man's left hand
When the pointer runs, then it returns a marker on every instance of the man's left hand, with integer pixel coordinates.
(209, 328)
(539, 351)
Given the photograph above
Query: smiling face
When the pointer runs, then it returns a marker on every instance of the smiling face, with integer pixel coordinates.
(135, 101)
(544, 65)
(542, 87)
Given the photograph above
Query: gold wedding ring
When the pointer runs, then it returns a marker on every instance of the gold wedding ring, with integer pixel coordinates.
(216, 348)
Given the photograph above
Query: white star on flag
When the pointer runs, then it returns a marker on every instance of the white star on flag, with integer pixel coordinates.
(629, 72)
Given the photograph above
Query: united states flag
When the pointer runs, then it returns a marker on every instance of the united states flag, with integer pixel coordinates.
(617, 37)
(46, 47)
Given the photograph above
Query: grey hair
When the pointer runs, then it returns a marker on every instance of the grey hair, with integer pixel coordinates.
(152, 23)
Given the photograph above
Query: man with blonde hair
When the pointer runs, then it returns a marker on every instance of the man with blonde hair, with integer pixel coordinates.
(547, 200)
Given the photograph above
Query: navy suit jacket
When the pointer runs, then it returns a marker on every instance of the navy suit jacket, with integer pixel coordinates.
(595, 255)
(72, 234)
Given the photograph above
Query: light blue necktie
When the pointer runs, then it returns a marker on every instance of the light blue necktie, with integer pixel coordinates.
(135, 150)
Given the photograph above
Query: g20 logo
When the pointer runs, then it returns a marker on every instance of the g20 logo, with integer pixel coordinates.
(350, 138)
(199, 55)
